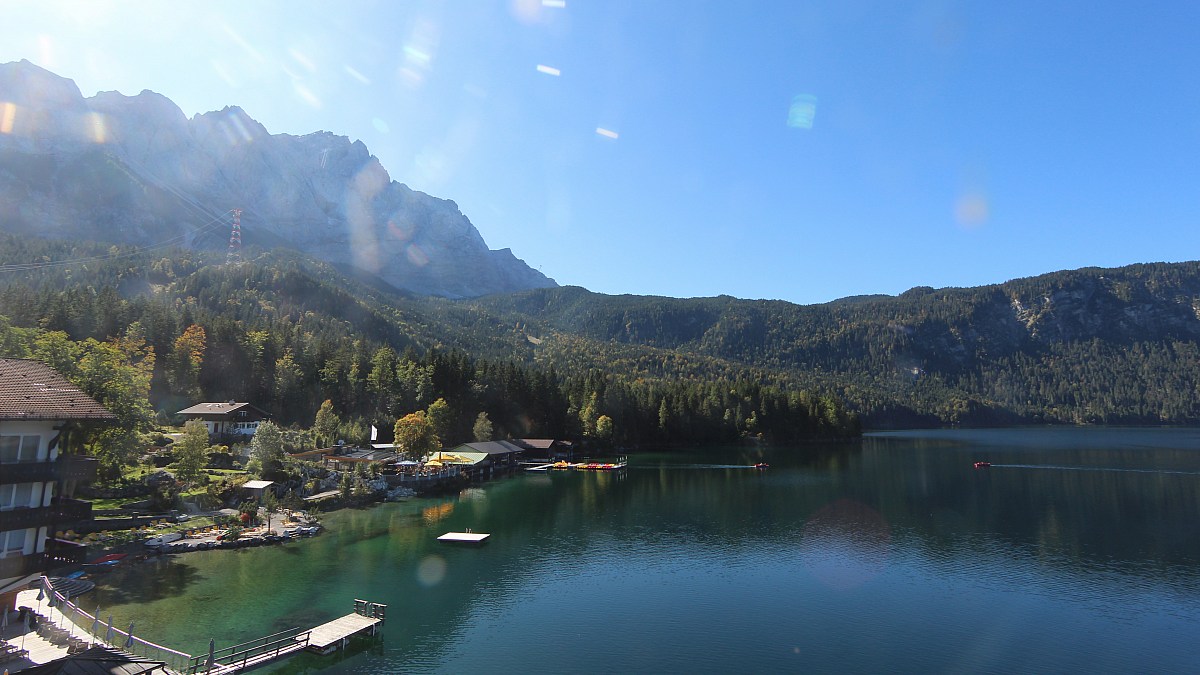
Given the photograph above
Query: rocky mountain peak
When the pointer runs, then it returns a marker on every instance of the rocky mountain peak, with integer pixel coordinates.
(141, 172)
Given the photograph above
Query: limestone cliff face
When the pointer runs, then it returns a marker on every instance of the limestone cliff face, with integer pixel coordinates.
(135, 169)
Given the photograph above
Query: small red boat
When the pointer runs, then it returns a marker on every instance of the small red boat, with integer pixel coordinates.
(982, 465)
(761, 465)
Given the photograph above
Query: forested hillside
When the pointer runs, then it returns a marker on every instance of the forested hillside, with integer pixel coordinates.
(286, 332)
(1084, 346)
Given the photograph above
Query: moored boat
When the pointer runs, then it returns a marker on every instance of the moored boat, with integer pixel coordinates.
(163, 540)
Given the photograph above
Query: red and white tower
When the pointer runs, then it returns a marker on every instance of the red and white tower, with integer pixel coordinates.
(235, 238)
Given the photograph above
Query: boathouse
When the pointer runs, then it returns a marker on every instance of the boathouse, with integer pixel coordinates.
(502, 455)
(545, 448)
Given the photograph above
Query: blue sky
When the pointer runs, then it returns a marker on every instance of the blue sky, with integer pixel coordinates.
(950, 144)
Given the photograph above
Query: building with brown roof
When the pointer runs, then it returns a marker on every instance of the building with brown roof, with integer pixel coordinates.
(38, 407)
(227, 419)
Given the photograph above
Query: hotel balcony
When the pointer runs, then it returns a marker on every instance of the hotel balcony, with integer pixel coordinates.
(28, 472)
(60, 513)
(75, 467)
(20, 565)
(66, 467)
(62, 552)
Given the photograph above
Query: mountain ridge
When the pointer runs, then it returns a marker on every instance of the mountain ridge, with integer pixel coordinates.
(135, 169)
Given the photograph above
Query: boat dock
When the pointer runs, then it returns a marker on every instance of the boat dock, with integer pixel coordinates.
(327, 637)
(64, 616)
(619, 464)
(467, 537)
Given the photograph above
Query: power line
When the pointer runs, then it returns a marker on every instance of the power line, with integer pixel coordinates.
(173, 241)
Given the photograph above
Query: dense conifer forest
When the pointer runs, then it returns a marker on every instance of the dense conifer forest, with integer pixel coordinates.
(286, 333)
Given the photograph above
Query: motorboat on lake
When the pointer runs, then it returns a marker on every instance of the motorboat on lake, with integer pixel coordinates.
(982, 465)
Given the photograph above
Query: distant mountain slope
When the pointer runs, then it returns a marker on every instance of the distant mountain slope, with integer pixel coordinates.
(1089, 345)
(134, 169)
(1083, 346)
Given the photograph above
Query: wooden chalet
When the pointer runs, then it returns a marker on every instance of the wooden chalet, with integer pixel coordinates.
(227, 419)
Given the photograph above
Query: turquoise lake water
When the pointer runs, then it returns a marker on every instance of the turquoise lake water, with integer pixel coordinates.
(1077, 551)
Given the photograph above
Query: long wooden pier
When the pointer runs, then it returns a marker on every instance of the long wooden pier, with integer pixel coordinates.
(72, 621)
(323, 639)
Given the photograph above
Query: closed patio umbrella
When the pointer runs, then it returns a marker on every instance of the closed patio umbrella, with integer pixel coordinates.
(129, 638)
(108, 635)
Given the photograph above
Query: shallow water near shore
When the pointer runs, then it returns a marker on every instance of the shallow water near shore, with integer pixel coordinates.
(1077, 550)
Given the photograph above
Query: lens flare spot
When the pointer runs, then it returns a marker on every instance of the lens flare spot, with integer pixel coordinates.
(431, 571)
(526, 11)
(554, 4)
(380, 126)
(971, 210)
(306, 95)
(802, 112)
(549, 70)
(415, 55)
(607, 133)
(416, 256)
(46, 51)
(8, 117)
(845, 544)
(357, 75)
(302, 58)
(96, 128)
(401, 230)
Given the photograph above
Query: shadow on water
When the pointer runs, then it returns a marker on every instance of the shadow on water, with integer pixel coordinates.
(124, 585)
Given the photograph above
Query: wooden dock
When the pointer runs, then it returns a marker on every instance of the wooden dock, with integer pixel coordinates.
(464, 537)
(329, 636)
(323, 639)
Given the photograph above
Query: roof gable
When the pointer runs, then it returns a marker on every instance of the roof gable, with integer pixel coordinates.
(221, 409)
(492, 447)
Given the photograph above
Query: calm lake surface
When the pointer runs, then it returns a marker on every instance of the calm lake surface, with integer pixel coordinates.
(1078, 551)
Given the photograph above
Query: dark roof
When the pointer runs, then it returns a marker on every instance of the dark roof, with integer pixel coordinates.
(99, 661)
(31, 390)
(219, 408)
(533, 443)
(493, 447)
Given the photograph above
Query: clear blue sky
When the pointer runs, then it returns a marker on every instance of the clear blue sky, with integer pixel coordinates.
(931, 143)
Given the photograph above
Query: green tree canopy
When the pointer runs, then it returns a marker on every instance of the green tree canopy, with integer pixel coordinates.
(441, 416)
(415, 436)
(482, 431)
(191, 452)
(325, 426)
(266, 449)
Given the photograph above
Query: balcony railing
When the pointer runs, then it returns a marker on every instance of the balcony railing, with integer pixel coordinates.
(75, 467)
(70, 510)
(60, 512)
(28, 472)
(62, 552)
(20, 565)
(67, 467)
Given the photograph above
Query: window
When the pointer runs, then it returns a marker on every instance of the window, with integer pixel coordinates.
(12, 542)
(15, 496)
(15, 449)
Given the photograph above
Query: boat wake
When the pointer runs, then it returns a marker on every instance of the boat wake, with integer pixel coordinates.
(704, 466)
(1058, 467)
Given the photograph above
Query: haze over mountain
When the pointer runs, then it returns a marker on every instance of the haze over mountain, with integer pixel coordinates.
(135, 169)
